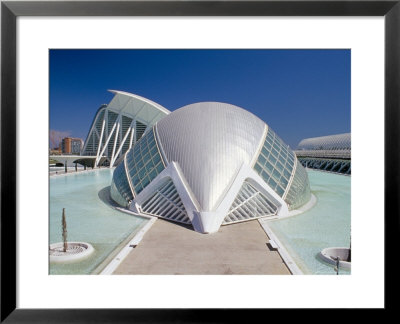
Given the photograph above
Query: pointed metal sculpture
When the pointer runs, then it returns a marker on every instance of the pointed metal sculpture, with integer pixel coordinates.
(337, 265)
(349, 256)
(64, 231)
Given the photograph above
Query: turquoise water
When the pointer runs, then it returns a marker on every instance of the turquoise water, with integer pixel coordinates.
(89, 217)
(92, 220)
(327, 224)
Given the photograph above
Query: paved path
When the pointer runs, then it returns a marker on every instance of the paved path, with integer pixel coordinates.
(170, 248)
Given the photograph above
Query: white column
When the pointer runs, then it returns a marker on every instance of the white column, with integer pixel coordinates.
(132, 133)
(115, 139)
(105, 145)
(121, 145)
(101, 138)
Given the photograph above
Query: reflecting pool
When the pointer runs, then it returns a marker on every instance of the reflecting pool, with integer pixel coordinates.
(89, 218)
(327, 224)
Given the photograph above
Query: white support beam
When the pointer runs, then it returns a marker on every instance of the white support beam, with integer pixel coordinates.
(121, 145)
(132, 133)
(115, 138)
(90, 132)
(106, 144)
(101, 138)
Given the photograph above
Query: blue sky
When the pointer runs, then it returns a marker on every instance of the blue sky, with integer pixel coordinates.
(298, 93)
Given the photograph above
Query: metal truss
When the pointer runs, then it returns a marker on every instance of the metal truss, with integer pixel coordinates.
(331, 165)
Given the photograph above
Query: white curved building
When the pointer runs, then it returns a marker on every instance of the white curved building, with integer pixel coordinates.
(330, 142)
(119, 125)
(210, 164)
(329, 153)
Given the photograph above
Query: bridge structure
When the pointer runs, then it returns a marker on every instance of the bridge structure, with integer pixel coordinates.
(328, 153)
(71, 160)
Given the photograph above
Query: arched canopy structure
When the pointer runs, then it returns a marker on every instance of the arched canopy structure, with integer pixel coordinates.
(331, 142)
(120, 124)
(328, 153)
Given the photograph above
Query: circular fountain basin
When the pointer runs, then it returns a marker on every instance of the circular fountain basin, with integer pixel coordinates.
(330, 255)
(76, 251)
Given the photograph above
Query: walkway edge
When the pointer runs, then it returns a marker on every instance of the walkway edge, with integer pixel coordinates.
(113, 265)
(287, 259)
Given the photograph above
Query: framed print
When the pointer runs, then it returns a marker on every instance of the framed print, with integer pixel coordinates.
(49, 45)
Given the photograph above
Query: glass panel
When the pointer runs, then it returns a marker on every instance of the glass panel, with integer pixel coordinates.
(265, 152)
(267, 145)
(283, 182)
(276, 174)
(145, 163)
(299, 192)
(156, 159)
(269, 167)
(135, 180)
(261, 159)
(286, 173)
(279, 166)
(272, 183)
(258, 168)
(275, 163)
(153, 150)
(153, 174)
(275, 153)
(159, 167)
(272, 159)
(120, 190)
(279, 191)
(146, 157)
(142, 173)
(145, 181)
(139, 164)
(149, 166)
(282, 159)
(138, 188)
(265, 176)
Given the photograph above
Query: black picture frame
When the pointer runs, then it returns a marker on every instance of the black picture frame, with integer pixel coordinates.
(10, 10)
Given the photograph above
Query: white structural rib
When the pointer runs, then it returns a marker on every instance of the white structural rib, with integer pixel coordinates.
(122, 144)
(132, 110)
(101, 139)
(106, 144)
(115, 139)
(330, 142)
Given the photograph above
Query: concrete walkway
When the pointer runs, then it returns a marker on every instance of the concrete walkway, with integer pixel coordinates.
(170, 248)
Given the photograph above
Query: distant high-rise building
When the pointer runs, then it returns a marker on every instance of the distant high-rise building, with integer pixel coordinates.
(71, 145)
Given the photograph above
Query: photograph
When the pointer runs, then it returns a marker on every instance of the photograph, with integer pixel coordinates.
(199, 161)
(191, 161)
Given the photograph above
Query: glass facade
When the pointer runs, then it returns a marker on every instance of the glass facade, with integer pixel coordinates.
(120, 190)
(275, 163)
(144, 162)
(299, 192)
